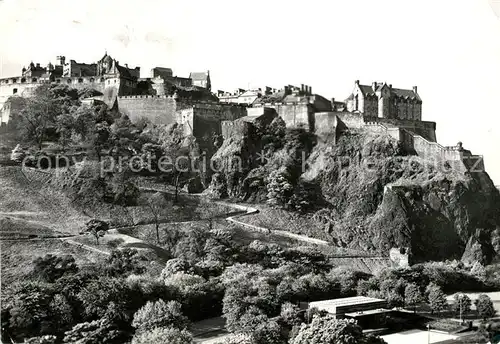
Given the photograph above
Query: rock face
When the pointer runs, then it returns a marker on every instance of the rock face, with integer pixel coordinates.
(371, 195)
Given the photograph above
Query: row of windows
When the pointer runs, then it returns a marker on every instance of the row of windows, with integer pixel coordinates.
(23, 80)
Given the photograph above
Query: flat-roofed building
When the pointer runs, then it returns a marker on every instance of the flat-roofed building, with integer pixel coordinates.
(370, 312)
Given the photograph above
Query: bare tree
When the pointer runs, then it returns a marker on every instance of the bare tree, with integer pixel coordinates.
(159, 207)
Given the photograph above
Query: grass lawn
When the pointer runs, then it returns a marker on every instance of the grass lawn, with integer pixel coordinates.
(27, 207)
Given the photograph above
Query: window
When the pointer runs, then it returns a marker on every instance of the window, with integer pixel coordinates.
(109, 82)
(356, 102)
(102, 79)
(58, 81)
(91, 79)
(14, 91)
(34, 79)
(23, 80)
(80, 80)
(69, 81)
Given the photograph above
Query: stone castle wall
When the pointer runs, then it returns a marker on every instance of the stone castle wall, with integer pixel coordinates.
(295, 115)
(25, 86)
(159, 110)
(422, 128)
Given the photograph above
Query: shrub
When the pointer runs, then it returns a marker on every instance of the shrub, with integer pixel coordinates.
(114, 243)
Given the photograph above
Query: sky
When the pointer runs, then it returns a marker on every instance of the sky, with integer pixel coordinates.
(450, 49)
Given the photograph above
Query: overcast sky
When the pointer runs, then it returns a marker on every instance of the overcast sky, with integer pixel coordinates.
(450, 49)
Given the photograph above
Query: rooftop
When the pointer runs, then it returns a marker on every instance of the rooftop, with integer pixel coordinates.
(347, 301)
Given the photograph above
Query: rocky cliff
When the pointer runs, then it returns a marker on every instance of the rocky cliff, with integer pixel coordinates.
(364, 192)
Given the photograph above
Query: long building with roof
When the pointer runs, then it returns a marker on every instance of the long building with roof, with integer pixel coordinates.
(384, 101)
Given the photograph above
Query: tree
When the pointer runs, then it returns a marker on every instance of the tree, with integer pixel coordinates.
(484, 306)
(413, 296)
(436, 298)
(124, 261)
(64, 123)
(159, 314)
(170, 335)
(177, 148)
(328, 330)
(159, 206)
(97, 228)
(290, 314)
(29, 310)
(37, 116)
(50, 267)
(103, 295)
(40, 112)
(462, 304)
(97, 331)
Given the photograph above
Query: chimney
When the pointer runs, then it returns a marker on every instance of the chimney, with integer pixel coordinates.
(302, 88)
(333, 100)
(287, 90)
(126, 65)
(374, 85)
(415, 89)
(390, 86)
(309, 91)
(37, 65)
(356, 82)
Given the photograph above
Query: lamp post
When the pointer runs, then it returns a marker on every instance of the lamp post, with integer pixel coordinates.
(460, 301)
(428, 334)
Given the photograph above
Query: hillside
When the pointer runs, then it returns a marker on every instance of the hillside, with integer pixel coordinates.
(363, 192)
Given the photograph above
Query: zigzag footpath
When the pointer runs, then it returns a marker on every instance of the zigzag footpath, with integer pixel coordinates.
(235, 218)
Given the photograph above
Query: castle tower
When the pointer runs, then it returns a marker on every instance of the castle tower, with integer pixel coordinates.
(60, 60)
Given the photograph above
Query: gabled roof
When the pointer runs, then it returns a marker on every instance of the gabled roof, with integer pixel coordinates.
(201, 76)
(367, 90)
(124, 72)
(405, 93)
(398, 92)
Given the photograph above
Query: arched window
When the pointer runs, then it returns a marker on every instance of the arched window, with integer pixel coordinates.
(23, 80)
(34, 79)
(356, 103)
(14, 91)
(102, 79)
(80, 80)
(68, 81)
(91, 79)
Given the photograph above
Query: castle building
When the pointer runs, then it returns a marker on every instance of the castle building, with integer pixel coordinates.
(240, 96)
(383, 101)
(201, 79)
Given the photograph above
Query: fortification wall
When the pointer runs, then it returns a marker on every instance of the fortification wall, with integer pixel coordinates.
(295, 115)
(8, 89)
(422, 128)
(351, 119)
(157, 109)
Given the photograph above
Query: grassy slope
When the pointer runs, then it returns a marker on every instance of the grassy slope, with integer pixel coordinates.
(17, 256)
(24, 206)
